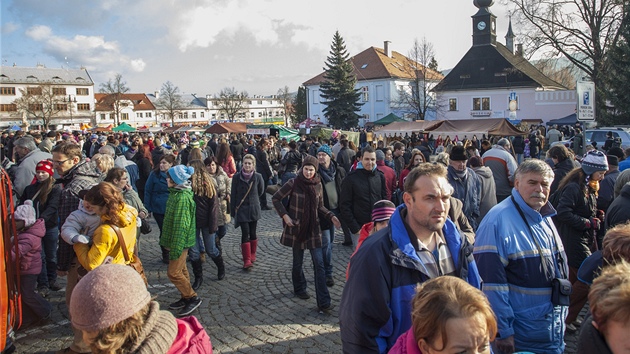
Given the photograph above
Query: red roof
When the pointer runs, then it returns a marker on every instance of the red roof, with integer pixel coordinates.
(105, 102)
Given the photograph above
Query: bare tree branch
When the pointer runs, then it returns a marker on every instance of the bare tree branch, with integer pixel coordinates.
(115, 89)
(232, 102)
(170, 102)
(41, 102)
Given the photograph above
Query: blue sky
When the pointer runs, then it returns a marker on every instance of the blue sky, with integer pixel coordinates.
(203, 46)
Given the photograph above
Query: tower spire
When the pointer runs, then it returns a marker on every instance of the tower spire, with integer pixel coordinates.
(509, 37)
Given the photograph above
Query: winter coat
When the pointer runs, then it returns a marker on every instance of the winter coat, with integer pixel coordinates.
(591, 340)
(132, 199)
(182, 157)
(359, 191)
(503, 166)
(237, 149)
(291, 161)
(406, 344)
(575, 209)
(83, 176)
(24, 171)
(47, 211)
(390, 178)
(144, 171)
(250, 209)
(606, 192)
(157, 153)
(131, 168)
(468, 190)
(223, 186)
(297, 204)
(262, 165)
(340, 175)
(191, 337)
(105, 241)
(456, 214)
(46, 145)
(30, 248)
(79, 222)
(488, 191)
(514, 279)
(618, 211)
(375, 306)
(345, 158)
(518, 144)
(560, 170)
(229, 167)
(179, 230)
(207, 210)
(156, 193)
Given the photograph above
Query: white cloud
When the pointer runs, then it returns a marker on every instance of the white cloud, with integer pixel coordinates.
(93, 52)
(9, 27)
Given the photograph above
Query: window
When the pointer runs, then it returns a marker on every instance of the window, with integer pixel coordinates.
(315, 97)
(34, 90)
(103, 116)
(194, 115)
(481, 104)
(35, 107)
(379, 92)
(124, 116)
(7, 91)
(83, 107)
(139, 115)
(83, 91)
(201, 115)
(10, 107)
(251, 114)
(222, 115)
(452, 104)
(260, 102)
(148, 115)
(185, 115)
(259, 114)
(60, 91)
(214, 115)
(365, 94)
(61, 107)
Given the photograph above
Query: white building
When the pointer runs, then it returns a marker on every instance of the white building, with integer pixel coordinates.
(73, 90)
(381, 74)
(135, 109)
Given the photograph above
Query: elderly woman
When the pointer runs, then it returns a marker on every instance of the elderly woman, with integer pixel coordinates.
(448, 316)
(301, 227)
(116, 217)
(578, 220)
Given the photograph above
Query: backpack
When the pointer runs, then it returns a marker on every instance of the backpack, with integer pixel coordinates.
(617, 142)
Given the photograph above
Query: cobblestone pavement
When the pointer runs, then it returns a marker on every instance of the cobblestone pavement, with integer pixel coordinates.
(248, 312)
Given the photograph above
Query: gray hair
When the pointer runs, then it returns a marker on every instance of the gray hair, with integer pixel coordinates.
(504, 142)
(380, 155)
(534, 166)
(26, 142)
(443, 158)
(107, 150)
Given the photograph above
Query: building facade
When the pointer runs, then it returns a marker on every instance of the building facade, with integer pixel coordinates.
(33, 96)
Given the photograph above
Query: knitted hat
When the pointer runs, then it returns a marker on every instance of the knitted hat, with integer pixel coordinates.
(107, 295)
(102, 139)
(382, 210)
(93, 136)
(325, 148)
(458, 153)
(612, 160)
(310, 160)
(26, 213)
(380, 155)
(594, 161)
(46, 166)
(194, 143)
(180, 173)
(51, 134)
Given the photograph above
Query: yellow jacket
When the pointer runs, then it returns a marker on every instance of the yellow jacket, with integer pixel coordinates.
(105, 241)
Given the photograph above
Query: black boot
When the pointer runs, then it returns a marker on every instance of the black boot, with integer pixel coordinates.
(198, 273)
(165, 255)
(220, 266)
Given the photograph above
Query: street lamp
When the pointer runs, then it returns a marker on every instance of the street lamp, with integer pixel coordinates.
(70, 101)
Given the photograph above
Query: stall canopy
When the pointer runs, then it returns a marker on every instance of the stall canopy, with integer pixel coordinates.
(571, 119)
(388, 119)
(327, 133)
(469, 127)
(402, 128)
(231, 127)
(124, 127)
(272, 129)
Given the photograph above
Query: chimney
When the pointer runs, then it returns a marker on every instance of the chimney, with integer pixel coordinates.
(156, 94)
(519, 50)
(386, 49)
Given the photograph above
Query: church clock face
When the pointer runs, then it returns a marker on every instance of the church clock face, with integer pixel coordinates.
(481, 26)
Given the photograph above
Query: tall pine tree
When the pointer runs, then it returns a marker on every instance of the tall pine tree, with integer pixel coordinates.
(619, 73)
(342, 100)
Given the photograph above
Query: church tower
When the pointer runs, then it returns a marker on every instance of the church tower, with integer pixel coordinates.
(509, 38)
(484, 24)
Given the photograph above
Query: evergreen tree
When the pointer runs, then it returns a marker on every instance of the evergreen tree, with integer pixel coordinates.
(299, 105)
(619, 74)
(433, 65)
(342, 99)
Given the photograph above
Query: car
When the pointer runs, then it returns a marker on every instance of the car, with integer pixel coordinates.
(599, 137)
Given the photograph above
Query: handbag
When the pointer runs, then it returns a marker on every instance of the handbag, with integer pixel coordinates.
(145, 228)
(241, 203)
(136, 264)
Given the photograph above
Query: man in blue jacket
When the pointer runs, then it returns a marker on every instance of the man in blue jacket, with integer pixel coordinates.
(419, 244)
(519, 254)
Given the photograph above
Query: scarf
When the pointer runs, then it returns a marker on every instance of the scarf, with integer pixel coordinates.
(327, 175)
(158, 333)
(247, 176)
(308, 222)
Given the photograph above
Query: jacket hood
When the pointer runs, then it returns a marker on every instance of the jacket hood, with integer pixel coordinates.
(38, 228)
(82, 208)
(483, 171)
(625, 191)
(83, 168)
(127, 216)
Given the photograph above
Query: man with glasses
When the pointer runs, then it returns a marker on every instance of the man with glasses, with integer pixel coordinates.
(76, 175)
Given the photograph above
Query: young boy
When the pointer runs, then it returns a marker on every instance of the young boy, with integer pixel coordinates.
(178, 235)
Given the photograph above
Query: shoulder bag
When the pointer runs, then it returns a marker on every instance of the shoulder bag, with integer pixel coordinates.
(136, 264)
(241, 203)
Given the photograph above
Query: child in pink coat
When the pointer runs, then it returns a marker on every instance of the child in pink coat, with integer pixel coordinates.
(35, 309)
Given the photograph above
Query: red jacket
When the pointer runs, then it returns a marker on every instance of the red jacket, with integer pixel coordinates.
(390, 178)
(191, 337)
(30, 248)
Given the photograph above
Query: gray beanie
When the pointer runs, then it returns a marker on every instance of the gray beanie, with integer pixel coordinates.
(107, 295)
(380, 155)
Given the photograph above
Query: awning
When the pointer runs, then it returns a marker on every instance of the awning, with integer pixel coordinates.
(469, 127)
(402, 128)
(389, 119)
(231, 127)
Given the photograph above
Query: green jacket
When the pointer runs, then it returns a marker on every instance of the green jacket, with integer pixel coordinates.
(179, 229)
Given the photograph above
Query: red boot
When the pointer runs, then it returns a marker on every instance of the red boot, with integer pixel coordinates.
(253, 245)
(247, 254)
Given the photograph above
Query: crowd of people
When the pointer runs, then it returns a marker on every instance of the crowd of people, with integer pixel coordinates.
(466, 245)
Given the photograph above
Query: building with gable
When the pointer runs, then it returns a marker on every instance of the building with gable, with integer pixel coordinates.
(381, 75)
(70, 102)
(135, 109)
(493, 80)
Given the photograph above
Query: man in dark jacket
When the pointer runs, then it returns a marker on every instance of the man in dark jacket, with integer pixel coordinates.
(618, 211)
(466, 184)
(360, 190)
(345, 158)
(290, 163)
(238, 151)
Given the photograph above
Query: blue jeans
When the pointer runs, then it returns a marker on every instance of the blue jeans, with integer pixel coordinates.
(48, 275)
(299, 281)
(519, 158)
(327, 244)
(204, 237)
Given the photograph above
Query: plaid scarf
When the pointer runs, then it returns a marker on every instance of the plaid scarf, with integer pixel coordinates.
(309, 221)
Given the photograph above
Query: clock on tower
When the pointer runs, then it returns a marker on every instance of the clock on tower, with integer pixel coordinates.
(484, 24)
